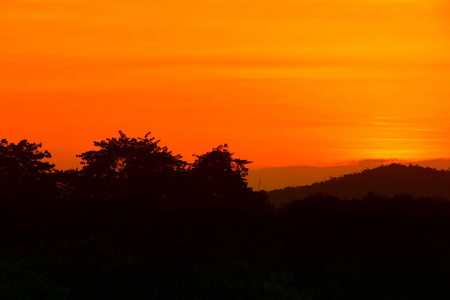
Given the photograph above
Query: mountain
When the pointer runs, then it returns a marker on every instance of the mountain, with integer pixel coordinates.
(386, 180)
(280, 177)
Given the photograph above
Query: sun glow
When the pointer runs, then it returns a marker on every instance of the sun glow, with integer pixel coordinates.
(324, 81)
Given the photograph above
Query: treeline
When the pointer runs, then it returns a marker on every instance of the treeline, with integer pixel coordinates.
(126, 174)
(138, 222)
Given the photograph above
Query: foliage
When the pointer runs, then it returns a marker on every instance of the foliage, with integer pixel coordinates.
(25, 177)
(23, 161)
(124, 157)
(136, 169)
(220, 172)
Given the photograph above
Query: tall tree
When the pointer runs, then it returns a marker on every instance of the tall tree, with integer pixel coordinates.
(218, 179)
(27, 186)
(220, 171)
(23, 162)
(132, 167)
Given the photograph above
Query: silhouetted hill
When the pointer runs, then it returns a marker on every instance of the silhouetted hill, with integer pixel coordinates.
(388, 180)
(280, 177)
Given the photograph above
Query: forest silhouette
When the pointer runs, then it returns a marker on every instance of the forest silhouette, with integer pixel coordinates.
(139, 222)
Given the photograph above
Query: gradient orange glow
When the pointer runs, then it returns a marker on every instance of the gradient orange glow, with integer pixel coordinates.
(287, 82)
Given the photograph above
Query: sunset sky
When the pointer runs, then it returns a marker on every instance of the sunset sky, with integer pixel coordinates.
(284, 83)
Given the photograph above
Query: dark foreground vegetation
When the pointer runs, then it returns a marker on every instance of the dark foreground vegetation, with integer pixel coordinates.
(137, 222)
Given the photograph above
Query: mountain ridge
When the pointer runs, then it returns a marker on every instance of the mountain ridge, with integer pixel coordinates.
(385, 180)
(280, 177)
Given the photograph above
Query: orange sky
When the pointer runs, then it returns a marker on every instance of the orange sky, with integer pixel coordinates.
(286, 82)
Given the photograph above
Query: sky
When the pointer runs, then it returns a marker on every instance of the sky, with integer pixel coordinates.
(284, 83)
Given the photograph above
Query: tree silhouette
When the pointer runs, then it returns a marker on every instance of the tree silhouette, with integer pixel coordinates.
(23, 162)
(219, 179)
(27, 185)
(220, 171)
(121, 157)
(22, 167)
(131, 168)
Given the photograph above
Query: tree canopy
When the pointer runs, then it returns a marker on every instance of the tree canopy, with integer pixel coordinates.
(131, 172)
(219, 173)
(25, 177)
(23, 161)
(124, 156)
